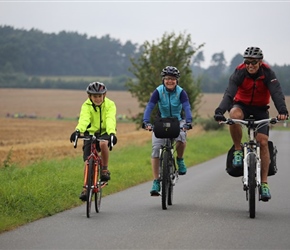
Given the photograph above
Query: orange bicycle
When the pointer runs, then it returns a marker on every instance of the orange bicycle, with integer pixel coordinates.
(92, 174)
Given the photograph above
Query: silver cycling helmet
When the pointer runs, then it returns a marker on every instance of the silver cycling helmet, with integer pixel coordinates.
(96, 88)
(253, 52)
(170, 71)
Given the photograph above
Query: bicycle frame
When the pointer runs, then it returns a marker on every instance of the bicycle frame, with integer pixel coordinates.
(168, 146)
(92, 180)
(168, 174)
(251, 147)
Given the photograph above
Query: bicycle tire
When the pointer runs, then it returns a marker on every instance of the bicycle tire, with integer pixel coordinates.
(252, 185)
(165, 179)
(89, 187)
(170, 186)
(98, 193)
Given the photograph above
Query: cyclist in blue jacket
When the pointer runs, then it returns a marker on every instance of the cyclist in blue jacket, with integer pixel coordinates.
(171, 100)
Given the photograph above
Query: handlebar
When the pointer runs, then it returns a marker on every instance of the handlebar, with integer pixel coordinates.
(248, 122)
(94, 138)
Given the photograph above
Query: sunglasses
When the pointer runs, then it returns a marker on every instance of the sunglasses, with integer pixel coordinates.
(254, 62)
(170, 78)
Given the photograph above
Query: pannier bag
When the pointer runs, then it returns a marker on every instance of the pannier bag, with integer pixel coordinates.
(238, 171)
(273, 154)
(231, 170)
(166, 127)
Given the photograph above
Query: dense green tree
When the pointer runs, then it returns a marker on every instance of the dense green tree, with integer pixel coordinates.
(32, 59)
(174, 50)
(66, 53)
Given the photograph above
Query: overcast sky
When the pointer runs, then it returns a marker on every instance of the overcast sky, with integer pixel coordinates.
(224, 26)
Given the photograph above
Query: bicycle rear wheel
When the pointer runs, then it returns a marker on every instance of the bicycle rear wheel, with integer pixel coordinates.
(165, 179)
(252, 185)
(98, 193)
(89, 188)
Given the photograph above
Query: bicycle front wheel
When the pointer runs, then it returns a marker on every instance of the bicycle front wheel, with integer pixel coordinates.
(98, 193)
(165, 179)
(170, 185)
(90, 182)
(252, 185)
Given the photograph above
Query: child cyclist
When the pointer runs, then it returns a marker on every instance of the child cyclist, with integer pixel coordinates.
(97, 116)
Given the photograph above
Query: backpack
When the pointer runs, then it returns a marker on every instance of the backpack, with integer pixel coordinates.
(238, 171)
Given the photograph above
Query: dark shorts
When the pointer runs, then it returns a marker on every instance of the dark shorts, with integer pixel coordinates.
(258, 113)
(87, 145)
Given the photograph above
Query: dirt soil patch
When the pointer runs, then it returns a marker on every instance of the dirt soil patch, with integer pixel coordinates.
(26, 140)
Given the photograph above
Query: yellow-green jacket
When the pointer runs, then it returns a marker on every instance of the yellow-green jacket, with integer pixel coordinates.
(92, 117)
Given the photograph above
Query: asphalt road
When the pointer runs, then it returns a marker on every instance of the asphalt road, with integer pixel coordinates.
(209, 211)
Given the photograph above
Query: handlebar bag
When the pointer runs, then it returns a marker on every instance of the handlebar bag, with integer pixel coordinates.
(166, 127)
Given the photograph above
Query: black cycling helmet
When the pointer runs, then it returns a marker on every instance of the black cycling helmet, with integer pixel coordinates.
(170, 71)
(253, 52)
(96, 88)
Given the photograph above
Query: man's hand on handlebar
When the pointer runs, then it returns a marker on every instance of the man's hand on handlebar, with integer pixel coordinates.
(282, 117)
(219, 117)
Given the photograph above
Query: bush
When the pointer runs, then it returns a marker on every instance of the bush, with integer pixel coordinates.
(210, 124)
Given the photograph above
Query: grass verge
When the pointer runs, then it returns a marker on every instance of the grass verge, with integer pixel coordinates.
(46, 188)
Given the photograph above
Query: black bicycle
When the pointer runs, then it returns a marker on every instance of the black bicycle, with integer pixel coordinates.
(252, 161)
(168, 174)
(167, 129)
(92, 175)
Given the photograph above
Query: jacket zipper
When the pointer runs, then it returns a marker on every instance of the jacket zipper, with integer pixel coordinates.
(253, 92)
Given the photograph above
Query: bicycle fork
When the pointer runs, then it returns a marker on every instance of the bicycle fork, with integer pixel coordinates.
(247, 152)
(172, 167)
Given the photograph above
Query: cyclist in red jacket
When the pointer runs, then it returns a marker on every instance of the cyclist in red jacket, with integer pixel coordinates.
(248, 93)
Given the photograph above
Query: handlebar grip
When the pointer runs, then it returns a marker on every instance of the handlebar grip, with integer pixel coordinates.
(111, 144)
(76, 141)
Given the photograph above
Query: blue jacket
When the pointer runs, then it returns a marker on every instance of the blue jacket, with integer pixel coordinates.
(170, 103)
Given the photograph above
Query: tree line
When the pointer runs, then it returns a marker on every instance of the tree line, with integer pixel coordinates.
(30, 58)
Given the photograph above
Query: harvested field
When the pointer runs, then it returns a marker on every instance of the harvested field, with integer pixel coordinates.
(26, 140)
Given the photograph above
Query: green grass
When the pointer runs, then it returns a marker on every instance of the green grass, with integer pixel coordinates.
(49, 187)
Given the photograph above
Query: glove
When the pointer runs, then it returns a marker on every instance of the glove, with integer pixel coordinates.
(113, 140)
(283, 113)
(146, 125)
(218, 115)
(73, 135)
(187, 126)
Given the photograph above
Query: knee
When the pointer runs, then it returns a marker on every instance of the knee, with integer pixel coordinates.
(236, 113)
(263, 140)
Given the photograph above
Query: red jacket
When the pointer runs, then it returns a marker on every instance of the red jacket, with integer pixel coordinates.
(253, 90)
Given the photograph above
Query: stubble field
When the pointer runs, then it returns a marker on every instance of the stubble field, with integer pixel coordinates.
(25, 140)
